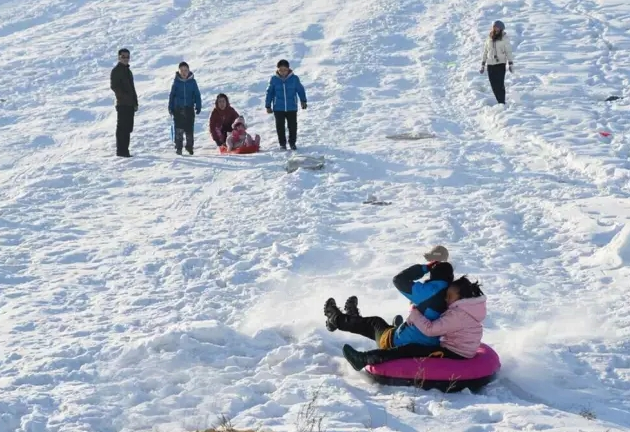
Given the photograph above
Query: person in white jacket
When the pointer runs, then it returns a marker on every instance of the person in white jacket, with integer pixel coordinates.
(497, 51)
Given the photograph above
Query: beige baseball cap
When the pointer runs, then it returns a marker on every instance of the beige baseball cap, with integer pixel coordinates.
(438, 253)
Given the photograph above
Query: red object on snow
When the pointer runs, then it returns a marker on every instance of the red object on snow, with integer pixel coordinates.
(254, 148)
(605, 134)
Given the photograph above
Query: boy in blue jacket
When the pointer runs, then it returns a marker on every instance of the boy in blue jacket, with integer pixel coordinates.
(183, 102)
(404, 340)
(283, 92)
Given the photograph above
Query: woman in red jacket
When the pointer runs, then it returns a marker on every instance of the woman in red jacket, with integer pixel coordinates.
(221, 119)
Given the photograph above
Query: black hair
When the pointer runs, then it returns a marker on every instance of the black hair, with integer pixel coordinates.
(496, 36)
(442, 271)
(282, 62)
(183, 64)
(123, 51)
(466, 288)
(221, 96)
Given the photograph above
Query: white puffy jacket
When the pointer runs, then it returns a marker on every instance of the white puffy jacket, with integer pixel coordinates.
(497, 51)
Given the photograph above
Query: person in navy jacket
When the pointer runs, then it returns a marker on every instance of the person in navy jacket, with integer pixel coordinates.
(183, 102)
(282, 92)
(403, 340)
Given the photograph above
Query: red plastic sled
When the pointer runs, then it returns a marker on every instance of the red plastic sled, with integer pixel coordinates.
(254, 148)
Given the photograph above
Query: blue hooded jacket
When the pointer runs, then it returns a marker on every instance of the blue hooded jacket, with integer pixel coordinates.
(430, 299)
(184, 93)
(283, 92)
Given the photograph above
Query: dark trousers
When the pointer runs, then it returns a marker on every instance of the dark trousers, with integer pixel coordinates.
(289, 117)
(179, 139)
(184, 119)
(411, 351)
(375, 327)
(124, 127)
(496, 75)
(369, 327)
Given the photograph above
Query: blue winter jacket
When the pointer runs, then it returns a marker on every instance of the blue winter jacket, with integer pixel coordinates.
(283, 92)
(184, 93)
(430, 299)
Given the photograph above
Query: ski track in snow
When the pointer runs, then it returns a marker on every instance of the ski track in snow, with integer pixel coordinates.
(160, 292)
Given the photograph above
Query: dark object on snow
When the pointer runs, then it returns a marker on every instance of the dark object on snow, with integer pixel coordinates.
(410, 136)
(380, 203)
(613, 98)
(371, 199)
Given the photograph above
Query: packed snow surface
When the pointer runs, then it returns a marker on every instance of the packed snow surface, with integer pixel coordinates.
(162, 291)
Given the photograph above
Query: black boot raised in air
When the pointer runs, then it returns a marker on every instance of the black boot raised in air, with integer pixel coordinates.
(352, 306)
(332, 313)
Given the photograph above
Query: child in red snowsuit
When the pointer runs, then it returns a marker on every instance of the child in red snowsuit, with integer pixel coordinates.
(239, 136)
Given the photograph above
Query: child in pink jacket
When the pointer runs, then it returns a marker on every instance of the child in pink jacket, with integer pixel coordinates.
(460, 327)
(239, 136)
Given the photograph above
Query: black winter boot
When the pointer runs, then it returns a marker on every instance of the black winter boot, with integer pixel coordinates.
(398, 320)
(379, 356)
(332, 312)
(352, 306)
(357, 359)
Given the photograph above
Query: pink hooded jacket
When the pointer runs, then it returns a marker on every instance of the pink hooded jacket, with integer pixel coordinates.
(459, 327)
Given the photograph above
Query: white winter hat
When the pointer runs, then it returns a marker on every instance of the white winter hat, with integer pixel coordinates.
(239, 121)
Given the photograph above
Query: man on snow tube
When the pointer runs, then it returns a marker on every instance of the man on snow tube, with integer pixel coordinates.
(404, 340)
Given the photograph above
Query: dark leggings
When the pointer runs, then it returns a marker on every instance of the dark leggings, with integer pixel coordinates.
(369, 327)
(496, 76)
(374, 327)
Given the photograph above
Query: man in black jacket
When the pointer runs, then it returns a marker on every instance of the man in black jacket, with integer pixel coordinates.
(126, 102)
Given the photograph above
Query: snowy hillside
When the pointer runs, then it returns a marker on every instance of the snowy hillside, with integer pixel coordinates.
(162, 291)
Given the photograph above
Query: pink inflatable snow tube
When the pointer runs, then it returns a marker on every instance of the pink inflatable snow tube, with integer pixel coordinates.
(444, 374)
